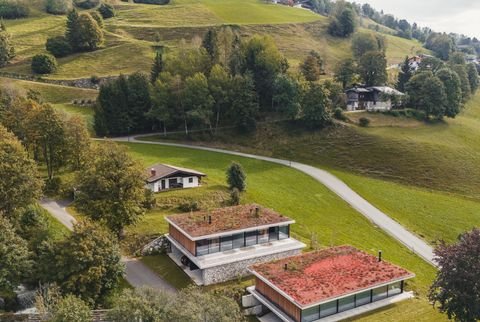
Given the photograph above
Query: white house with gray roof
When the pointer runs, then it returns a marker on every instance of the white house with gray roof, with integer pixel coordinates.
(164, 177)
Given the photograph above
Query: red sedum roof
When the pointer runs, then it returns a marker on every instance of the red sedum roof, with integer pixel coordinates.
(223, 220)
(322, 275)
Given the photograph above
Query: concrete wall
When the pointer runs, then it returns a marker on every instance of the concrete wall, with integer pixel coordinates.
(231, 271)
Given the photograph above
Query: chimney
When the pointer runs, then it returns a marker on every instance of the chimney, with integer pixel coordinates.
(285, 267)
(209, 219)
(379, 255)
(153, 172)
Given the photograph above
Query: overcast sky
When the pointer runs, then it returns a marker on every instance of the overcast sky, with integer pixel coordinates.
(460, 16)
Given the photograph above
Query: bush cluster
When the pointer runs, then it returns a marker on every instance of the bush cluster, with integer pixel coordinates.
(13, 9)
(364, 122)
(58, 7)
(86, 4)
(107, 11)
(58, 46)
(44, 64)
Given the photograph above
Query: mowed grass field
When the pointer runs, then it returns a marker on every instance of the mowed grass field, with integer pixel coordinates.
(316, 210)
(130, 35)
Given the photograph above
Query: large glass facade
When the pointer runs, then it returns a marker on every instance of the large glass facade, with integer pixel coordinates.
(261, 236)
(350, 302)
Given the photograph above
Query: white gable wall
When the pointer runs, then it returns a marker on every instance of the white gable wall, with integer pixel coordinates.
(157, 185)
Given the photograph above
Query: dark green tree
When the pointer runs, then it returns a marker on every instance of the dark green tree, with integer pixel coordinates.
(209, 42)
(197, 101)
(157, 67)
(112, 188)
(472, 73)
(90, 33)
(372, 68)
(15, 257)
(21, 184)
(138, 101)
(236, 177)
(220, 85)
(343, 24)
(366, 41)
(107, 11)
(244, 108)
(453, 91)
(404, 75)
(315, 107)
(312, 66)
(73, 32)
(455, 288)
(58, 46)
(345, 72)
(58, 7)
(86, 264)
(7, 51)
(286, 96)
(461, 70)
(44, 64)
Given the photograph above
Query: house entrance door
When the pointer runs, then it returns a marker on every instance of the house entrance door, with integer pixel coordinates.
(163, 184)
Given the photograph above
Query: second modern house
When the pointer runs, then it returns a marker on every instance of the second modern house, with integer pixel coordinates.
(219, 245)
(327, 285)
(164, 177)
(375, 98)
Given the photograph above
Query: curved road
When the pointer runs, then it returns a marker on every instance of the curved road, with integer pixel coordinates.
(387, 224)
(136, 273)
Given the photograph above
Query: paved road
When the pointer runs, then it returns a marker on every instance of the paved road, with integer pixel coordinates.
(136, 273)
(336, 185)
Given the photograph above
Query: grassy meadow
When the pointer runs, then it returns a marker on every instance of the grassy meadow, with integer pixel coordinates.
(129, 35)
(318, 213)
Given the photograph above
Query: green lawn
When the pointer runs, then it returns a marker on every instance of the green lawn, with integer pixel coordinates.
(319, 211)
(167, 269)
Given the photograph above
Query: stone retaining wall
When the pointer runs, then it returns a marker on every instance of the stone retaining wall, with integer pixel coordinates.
(79, 83)
(238, 269)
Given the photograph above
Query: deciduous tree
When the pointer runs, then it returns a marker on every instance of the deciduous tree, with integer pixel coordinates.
(220, 85)
(245, 106)
(111, 189)
(7, 51)
(472, 73)
(197, 101)
(373, 68)
(455, 288)
(404, 75)
(312, 66)
(315, 107)
(453, 91)
(20, 185)
(345, 72)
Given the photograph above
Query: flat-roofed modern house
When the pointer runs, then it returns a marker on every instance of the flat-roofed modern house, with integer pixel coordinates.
(328, 285)
(219, 245)
(163, 177)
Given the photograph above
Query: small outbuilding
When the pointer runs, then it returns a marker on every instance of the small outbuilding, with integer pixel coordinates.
(164, 177)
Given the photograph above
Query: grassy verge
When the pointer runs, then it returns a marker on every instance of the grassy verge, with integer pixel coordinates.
(317, 212)
(168, 270)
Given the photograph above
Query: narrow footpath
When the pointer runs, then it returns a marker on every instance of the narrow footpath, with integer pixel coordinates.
(380, 219)
(137, 274)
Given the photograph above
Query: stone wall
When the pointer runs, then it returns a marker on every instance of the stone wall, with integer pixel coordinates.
(160, 245)
(231, 271)
(79, 83)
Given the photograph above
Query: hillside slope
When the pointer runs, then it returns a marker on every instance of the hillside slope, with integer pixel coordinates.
(129, 36)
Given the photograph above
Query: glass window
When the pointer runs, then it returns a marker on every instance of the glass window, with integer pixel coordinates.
(202, 247)
(190, 180)
(346, 303)
(379, 293)
(263, 236)
(273, 233)
(395, 288)
(362, 298)
(284, 232)
(214, 246)
(238, 240)
(311, 314)
(328, 309)
(251, 238)
(226, 243)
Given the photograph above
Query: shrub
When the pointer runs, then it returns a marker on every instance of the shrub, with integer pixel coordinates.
(150, 200)
(52, 187)
(44, 64)
(58, 46)
(58, 7)
(107, 11)
(13, 9)
(190, 205)
(363, 122)
(419, 115)
(98, 18)
(86, 4)
(152, 1)
(72, 309)
(338, 114)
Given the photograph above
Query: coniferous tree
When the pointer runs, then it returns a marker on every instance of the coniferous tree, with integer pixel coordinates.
(236, 177)
(404, 75)
(315, 107)
(7, 51)
(209, 42)
(157, 66)
(72, 33)
(245, 103)
(453, 91)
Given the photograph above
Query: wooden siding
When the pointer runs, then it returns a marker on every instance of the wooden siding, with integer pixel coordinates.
(182, 239)
(276, 298)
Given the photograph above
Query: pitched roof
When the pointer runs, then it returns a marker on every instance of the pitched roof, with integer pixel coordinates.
(386, 90)
(165, 170)
(226, 220)
(316, 277)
